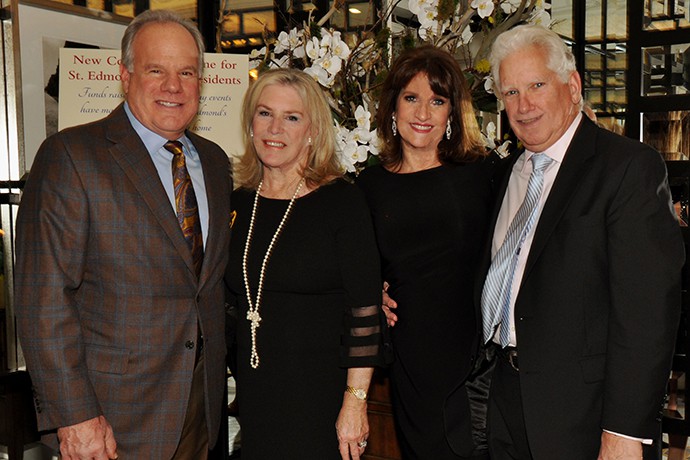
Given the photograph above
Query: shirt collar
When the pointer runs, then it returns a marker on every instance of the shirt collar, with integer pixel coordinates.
(152, 141)
(557, 151)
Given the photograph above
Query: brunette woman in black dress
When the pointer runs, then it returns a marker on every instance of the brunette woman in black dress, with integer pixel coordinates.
(429, 199)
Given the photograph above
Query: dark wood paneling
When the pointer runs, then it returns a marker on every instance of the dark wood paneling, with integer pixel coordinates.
(383, 441)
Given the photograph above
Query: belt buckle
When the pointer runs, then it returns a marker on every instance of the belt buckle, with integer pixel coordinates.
(512, 356)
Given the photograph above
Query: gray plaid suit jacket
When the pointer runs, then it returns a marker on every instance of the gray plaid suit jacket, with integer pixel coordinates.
(105, 291)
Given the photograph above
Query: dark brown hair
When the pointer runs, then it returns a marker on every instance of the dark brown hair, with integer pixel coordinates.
(445, 79)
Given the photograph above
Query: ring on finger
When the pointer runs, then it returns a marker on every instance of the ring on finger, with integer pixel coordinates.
(362, 444)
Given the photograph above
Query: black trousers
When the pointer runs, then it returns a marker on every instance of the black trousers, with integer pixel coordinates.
(506, 422)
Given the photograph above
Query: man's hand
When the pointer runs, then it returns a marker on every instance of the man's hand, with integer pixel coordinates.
(91, 439)
(388, 303)
(619, 448)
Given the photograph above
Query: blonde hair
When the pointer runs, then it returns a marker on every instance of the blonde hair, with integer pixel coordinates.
(322, 164)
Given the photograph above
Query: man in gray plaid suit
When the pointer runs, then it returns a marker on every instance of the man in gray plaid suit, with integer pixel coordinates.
(123, 339)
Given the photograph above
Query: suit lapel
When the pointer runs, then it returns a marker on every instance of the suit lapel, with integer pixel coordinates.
(130, 154)
(218, 218)
(502, 177)
(575, 164)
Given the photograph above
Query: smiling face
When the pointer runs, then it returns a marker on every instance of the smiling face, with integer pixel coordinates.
(281, 129)
(421, 116)
(163, 88)
(540, 107)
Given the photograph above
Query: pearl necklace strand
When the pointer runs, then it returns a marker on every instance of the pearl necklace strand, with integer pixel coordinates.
(253, 313)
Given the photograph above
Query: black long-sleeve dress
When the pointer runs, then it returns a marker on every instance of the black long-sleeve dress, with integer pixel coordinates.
(320, 313)
(430, 227)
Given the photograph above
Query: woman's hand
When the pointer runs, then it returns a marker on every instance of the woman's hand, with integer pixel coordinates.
(352, 427)
(387, 303)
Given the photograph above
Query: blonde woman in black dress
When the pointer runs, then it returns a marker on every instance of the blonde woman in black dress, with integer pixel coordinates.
(305, 274)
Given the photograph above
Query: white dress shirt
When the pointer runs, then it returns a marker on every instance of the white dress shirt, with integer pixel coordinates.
(515, 194)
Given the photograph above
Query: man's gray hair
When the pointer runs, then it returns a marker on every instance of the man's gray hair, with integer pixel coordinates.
(559, 58)
(160, 17)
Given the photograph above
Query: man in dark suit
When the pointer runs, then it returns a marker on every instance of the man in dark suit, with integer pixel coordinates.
(582, 293)
(122, 328)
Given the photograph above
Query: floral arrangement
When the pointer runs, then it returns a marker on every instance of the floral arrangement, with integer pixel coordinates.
(350, 73)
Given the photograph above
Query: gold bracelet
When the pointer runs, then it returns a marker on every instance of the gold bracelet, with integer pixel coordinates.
(357, 392)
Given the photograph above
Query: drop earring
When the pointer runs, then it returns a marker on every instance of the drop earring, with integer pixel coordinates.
(251, 132)
(309, 140)
(394, 127)
(449, 130)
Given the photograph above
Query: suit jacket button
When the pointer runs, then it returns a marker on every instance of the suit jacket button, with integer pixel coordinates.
(189, 345)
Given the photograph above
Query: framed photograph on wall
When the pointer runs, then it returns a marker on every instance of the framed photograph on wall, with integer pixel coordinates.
(44, 28)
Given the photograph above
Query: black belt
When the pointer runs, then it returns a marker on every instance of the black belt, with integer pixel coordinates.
(509, 355)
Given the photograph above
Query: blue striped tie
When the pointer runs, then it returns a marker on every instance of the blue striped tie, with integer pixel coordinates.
(496, 293)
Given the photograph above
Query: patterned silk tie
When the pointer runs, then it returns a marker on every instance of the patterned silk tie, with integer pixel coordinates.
(499, 280)
(186, 205)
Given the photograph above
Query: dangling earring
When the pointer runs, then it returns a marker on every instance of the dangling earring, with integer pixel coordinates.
(449, 130)
(251, 132)
(394, 127)
(309, 140)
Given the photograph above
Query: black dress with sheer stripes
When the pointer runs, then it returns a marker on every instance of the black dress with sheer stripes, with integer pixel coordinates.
(319, 312)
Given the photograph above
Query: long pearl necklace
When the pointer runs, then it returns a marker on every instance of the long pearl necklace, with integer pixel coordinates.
(253, 313)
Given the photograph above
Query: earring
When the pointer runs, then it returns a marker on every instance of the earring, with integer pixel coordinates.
(394, 127)
(449, 130)
(309, 140)
(251, 132)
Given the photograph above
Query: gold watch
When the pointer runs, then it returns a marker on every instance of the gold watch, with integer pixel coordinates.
(357, 392)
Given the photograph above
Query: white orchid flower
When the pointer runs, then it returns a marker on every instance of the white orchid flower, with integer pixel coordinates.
(359, 154)
(430, 29)
(540, 18)
(363, 117)
(332, 64)
(318, 73)
(417, 6)
(288, 41)
(490, 137)
(256, 54)
(491, 130)
(510, 6)
(282, 43)
(339, 48)
(348, 155)
(428, 16)
(313, 49)
(326, 39)
(489, 84)
(484, 7)
(502, 150)
(361, 135)
(374, 143)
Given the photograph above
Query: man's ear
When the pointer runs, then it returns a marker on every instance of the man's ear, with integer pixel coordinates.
(575, 87)
(124, 78)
